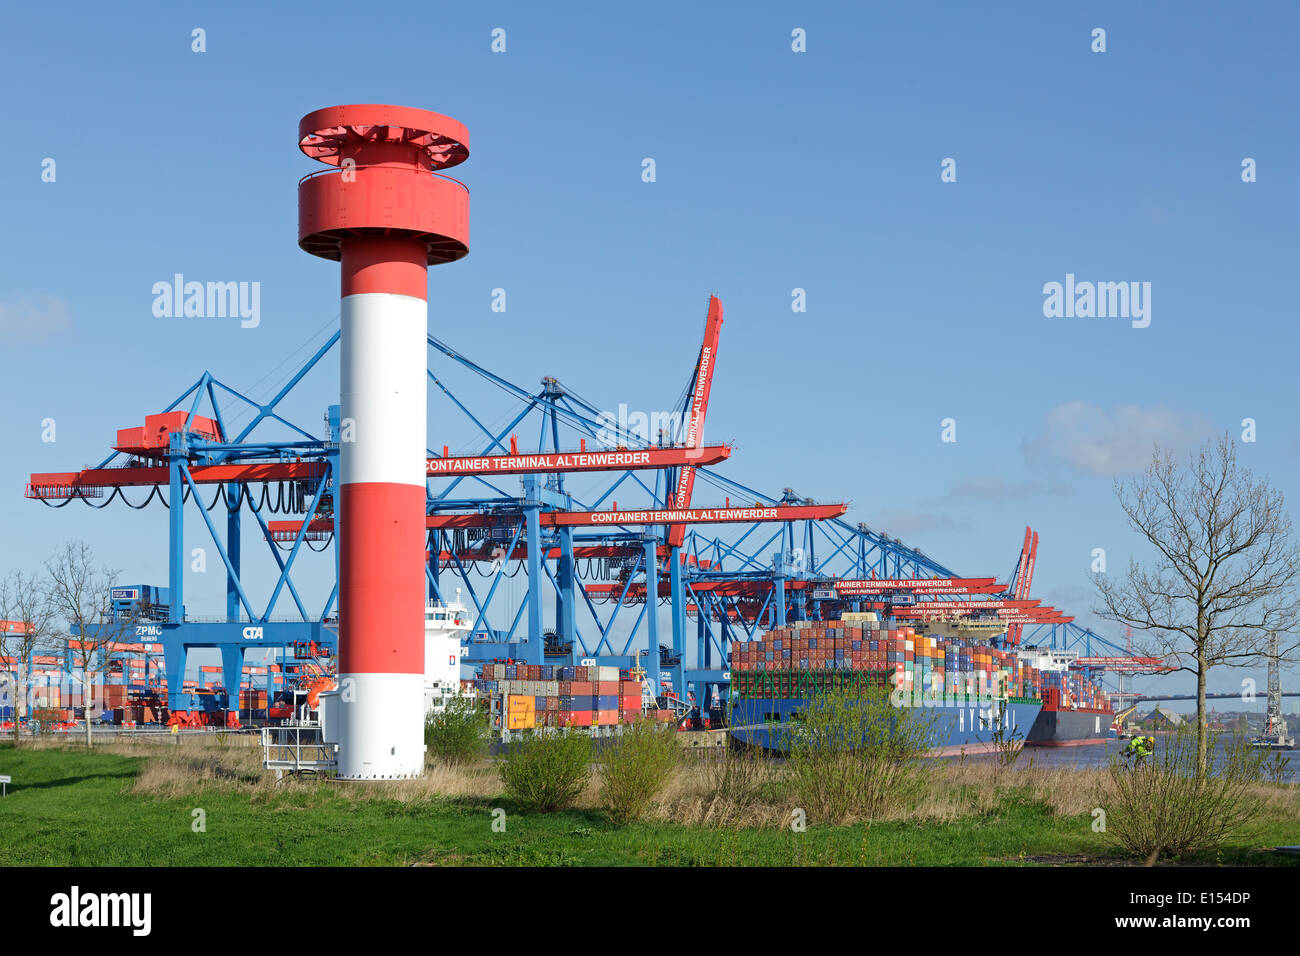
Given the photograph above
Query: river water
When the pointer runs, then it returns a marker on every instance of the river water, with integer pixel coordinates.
(1099, 755)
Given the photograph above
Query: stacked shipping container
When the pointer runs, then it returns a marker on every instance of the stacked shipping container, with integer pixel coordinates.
(551, 695)
(912, 662)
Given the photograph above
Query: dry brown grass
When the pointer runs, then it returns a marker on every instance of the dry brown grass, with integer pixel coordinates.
(965, 788)
(189, 771)
(439, 782)
(711, 792)
(1277, 801)
(191, 764)
(144, 745)
(953, 791)
(698, 792)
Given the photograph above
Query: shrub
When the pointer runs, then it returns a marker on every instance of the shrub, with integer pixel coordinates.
(737, 783)
(1008, 745)
(458, 735)
(635, 767)
(547, 771)
(856, 756)
(1275, 769)
(1161, 805)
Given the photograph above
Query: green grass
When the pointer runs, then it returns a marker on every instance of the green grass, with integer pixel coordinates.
(77, 808)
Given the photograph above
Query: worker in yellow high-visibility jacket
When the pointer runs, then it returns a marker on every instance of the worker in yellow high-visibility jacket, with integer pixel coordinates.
(1139, 748)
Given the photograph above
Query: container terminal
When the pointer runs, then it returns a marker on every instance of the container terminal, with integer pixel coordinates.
(720, 608)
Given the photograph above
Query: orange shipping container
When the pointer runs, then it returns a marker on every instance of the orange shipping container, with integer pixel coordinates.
(520, 703)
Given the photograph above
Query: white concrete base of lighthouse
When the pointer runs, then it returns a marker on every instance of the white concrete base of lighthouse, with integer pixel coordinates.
(378, 721)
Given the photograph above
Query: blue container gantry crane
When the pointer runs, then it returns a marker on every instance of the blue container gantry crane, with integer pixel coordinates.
(777, 557)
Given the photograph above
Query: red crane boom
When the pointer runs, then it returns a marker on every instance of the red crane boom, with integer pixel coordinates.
(697, 408)
(1024, 578)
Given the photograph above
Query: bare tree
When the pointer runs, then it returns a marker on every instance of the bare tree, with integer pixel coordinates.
(1224, 571)
(79, 591)
(26, 625)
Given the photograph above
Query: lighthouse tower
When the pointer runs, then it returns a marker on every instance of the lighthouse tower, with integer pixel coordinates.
(386, 213)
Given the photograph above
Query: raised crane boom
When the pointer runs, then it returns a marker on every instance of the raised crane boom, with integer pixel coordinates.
(697, 406)
(1024, 578)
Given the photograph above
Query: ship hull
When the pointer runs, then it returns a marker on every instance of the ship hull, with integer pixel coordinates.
(956, 728)
(1070, 728)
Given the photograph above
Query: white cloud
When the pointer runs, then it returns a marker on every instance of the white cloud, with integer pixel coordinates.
(33, 319)
(1115, 441)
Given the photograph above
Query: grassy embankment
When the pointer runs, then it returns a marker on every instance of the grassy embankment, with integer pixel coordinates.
(133, 803)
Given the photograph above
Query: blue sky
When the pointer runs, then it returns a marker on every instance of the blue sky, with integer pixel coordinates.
(775, 171)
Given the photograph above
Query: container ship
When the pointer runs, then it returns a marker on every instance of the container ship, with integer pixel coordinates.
(974, 695)
(1075, 711)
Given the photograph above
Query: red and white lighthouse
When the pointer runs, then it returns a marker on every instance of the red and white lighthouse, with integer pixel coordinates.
(386, 214)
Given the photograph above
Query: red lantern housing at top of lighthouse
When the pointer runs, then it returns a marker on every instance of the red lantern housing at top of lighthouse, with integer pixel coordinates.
(387, 184)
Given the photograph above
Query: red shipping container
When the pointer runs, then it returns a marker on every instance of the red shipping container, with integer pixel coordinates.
(580, 688)
(629, 703)
(626, 688)
(606, 717)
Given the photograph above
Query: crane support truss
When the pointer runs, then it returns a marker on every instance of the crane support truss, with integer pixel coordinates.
(57, 485)
(546, 574)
